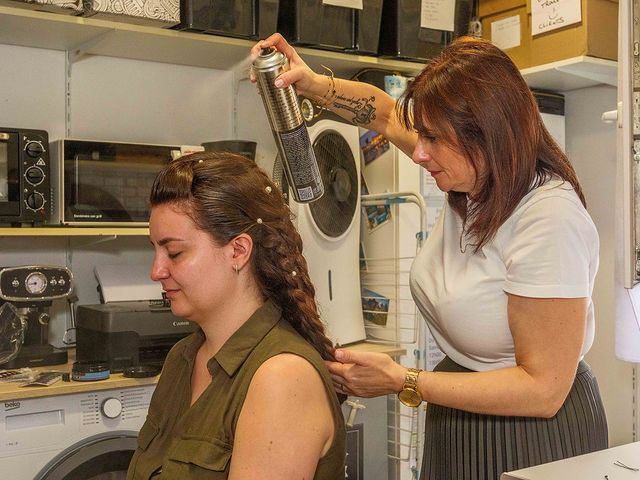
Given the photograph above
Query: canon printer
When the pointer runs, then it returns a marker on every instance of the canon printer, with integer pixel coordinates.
(126, 332)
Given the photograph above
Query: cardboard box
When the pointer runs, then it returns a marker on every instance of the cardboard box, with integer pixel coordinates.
(520, 53)
(595, 36)
(165, 13)
(491, 7)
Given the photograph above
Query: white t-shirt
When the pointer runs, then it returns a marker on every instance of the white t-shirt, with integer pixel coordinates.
(548, 248)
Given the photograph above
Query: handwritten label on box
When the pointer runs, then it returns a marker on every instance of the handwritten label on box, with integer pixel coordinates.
(547, 15)
(438, 14)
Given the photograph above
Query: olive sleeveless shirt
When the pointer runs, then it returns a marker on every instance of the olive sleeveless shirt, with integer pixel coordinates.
(179, 441)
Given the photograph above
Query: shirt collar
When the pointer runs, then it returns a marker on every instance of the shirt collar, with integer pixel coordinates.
(236, 350)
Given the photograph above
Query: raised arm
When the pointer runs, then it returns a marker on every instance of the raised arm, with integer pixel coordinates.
(360, 103)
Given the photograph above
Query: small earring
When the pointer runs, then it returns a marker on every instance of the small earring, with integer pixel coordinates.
(237, 270)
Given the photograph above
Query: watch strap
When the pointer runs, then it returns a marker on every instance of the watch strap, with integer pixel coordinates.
(411, 379)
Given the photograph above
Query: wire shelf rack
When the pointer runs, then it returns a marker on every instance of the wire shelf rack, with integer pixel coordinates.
(388, 308)
(391, 317)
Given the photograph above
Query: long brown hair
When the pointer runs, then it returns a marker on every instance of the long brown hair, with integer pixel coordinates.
(225, 195)
(475, 100)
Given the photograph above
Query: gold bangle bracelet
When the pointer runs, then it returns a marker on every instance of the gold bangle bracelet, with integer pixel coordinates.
(331, 94)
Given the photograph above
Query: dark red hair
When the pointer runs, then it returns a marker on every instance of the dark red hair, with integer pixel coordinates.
(474, 99)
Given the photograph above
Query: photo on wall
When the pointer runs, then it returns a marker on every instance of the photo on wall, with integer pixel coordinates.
(376, 215)
(372, 145)
(375, 307)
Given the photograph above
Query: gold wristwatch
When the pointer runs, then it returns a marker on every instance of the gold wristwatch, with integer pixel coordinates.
(409, 395)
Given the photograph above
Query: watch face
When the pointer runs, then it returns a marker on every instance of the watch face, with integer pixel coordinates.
(409, 397)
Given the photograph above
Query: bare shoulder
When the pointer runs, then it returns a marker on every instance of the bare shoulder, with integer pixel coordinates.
(286, 424)
(287, 371)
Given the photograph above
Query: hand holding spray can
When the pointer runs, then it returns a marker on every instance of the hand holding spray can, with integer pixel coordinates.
(288, 127)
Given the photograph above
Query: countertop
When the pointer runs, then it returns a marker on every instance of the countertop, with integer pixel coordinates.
(12, 391)
(604, 464)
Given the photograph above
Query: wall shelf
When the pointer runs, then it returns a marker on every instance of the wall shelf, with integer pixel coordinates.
(73, 232)
(572, 73)
(78, 35)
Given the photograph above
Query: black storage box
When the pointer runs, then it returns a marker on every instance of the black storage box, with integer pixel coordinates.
(401, 35)
(252, 19)
(311, 23)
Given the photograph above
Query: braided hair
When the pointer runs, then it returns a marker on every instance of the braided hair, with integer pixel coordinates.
(227, 194)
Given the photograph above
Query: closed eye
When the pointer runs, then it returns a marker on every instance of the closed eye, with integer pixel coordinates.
(426, 134)
(173, 255)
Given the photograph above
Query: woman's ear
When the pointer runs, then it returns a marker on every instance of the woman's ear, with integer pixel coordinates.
(242, 247)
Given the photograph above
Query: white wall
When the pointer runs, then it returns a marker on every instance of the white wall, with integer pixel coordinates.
(32, 89)
(148, 102)
(111, 99)
(591, 146)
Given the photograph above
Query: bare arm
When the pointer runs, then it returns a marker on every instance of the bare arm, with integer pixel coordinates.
(359, 103)
(548, 336)
(285, 425)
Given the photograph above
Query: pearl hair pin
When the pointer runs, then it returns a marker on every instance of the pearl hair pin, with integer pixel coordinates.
(267, 189)
(259, 221)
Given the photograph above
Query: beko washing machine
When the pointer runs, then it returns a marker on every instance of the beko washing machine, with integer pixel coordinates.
(80, 436)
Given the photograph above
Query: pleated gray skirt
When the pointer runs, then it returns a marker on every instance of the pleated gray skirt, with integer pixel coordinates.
(467, 446)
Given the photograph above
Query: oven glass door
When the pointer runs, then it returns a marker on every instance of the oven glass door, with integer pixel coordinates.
(110, 183)
(9, 174)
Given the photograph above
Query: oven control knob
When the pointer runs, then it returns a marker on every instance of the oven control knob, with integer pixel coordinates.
(34, 175)
(111, 408)
(35, 201)
(34, 149)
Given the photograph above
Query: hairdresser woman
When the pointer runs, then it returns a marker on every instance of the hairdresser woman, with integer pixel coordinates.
(505, 279)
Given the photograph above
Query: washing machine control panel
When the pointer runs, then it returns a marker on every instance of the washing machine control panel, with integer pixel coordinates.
(111, 407)
(51, 424)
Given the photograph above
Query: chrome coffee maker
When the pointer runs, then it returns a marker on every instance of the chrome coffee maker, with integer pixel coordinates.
(26, 293)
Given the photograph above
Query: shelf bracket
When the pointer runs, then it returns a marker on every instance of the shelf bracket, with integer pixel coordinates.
(94, 241)
(78, 52)
(72, 55)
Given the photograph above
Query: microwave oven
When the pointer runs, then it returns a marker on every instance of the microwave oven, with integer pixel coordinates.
(99, 183)
(25, 189)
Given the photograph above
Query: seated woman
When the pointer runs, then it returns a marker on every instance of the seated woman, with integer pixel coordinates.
(248, 395)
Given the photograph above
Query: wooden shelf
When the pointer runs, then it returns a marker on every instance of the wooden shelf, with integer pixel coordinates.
(572, 73)
(78, 35)
(391, 350)
(12, 391)
(73, 232)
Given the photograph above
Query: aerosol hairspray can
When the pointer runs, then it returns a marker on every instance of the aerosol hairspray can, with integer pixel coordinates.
(288, 127)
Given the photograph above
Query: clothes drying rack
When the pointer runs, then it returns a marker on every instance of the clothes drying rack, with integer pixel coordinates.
(391, 317)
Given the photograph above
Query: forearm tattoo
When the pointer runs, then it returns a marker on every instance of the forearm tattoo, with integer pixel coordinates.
(363, 108)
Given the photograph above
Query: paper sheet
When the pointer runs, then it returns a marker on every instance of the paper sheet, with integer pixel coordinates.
(438, 14)
(344, 3)
(505, 33)
(122, 283)
(547, 15)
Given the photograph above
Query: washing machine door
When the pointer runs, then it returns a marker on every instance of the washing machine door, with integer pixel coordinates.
(101, 457)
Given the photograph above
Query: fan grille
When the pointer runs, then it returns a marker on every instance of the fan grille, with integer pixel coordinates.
(334, 211)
